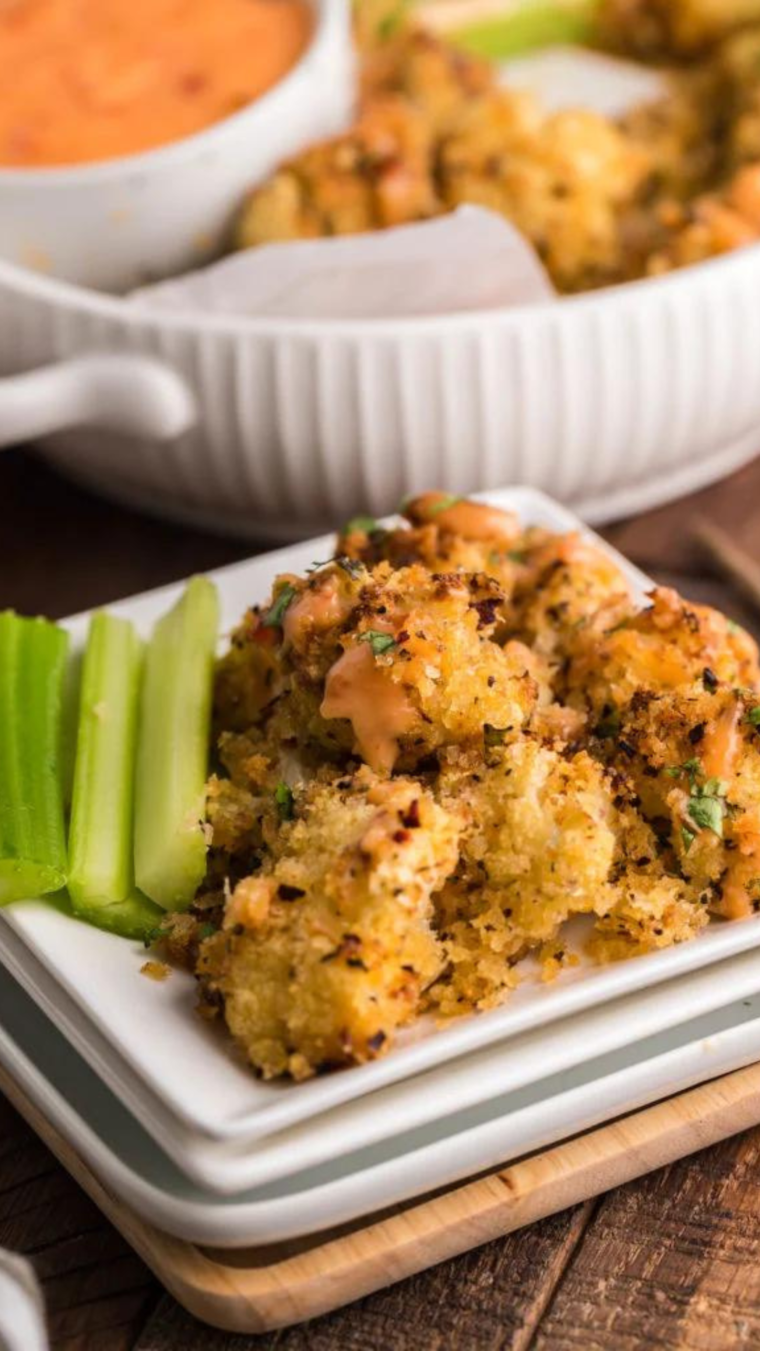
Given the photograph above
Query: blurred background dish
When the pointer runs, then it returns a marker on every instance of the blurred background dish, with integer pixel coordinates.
(116, 222)
(636, 391)
(613, 401)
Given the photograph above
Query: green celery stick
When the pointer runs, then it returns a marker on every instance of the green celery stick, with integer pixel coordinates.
(32, 836)
(172, 749)
(531, 25)
(134, 917)
(101, 859)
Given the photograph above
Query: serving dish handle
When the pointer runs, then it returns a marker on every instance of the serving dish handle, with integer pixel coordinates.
(134, 395)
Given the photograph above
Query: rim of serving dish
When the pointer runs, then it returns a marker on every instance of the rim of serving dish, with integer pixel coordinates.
(326, 13)
(16, 278)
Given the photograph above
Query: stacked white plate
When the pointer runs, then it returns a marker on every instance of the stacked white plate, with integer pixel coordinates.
(167, 1115)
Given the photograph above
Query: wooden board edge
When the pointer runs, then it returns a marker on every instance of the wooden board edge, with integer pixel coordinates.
(340, 1269)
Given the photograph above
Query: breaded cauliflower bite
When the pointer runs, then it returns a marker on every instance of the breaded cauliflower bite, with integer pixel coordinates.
(656, 28)
(670, 183)
(440, 751)
(538, 847)
(324, 953)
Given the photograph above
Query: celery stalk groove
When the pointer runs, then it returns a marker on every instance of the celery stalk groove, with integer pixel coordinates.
(101, 855)
(33, 858)
(172, 755)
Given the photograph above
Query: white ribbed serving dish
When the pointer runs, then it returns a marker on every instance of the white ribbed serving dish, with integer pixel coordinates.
(613, 402)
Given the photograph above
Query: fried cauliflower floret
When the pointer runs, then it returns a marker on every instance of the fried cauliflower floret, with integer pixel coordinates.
(713, 224)
(538, 847)
(649, 913)
(391, 666)
(681, 134)
(565, 583)
(737, 64)
(694, 755)
(446, 534)
(653, 28)
(325, 955)
(663, 647)
(434, 76)
(246, 676)
(563, 180)
(376, 175)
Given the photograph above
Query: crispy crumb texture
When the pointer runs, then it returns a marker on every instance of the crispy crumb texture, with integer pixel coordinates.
(602, 200)
(434, 751)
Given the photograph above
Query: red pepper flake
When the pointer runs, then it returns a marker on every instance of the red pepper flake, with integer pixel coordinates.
(411, 818)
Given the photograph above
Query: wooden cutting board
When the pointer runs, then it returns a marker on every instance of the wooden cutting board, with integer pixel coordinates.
(257, 1289)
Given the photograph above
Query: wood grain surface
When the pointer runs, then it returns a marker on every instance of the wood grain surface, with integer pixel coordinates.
(671, 1261)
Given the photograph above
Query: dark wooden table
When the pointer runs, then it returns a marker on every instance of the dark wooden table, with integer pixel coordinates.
(671, 1261)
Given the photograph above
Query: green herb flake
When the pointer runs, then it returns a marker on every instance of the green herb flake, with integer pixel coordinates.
(207, 930)
(445, 504)
(494, 736)
(283, 796)
(379, 642)
(753, 716)
(390, 24)
(274, 617)
(517, 555)
(360, 525)
(692, 768)
(687, 838)
(707, 813)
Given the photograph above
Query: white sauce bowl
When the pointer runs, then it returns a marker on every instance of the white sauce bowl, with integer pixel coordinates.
(119, 223)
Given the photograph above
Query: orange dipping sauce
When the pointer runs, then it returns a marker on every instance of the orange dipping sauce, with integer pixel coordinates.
(85, 80)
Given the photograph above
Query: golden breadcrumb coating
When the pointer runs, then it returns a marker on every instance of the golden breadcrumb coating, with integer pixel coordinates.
(653, 28)
(564, 180)
(440, 752)
(538, 847)
(669, 183)
(666, 645)
(324, 954)
(392, 665)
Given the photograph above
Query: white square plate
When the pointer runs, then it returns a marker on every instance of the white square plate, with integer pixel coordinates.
(230, 1167)
(131, 1166)
(178, 1056)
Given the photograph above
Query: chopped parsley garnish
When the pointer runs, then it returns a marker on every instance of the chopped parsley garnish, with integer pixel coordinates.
(321, 563)
(706, 807)
(390, 23)
(364, 525)
(274, 616)
(444, 504)
(687, 838)
(693, 768)
(379, 642)
(753, 716)
(494, 736)
(206, 930)
(517, 555)
(283, 796)
(708, 813)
